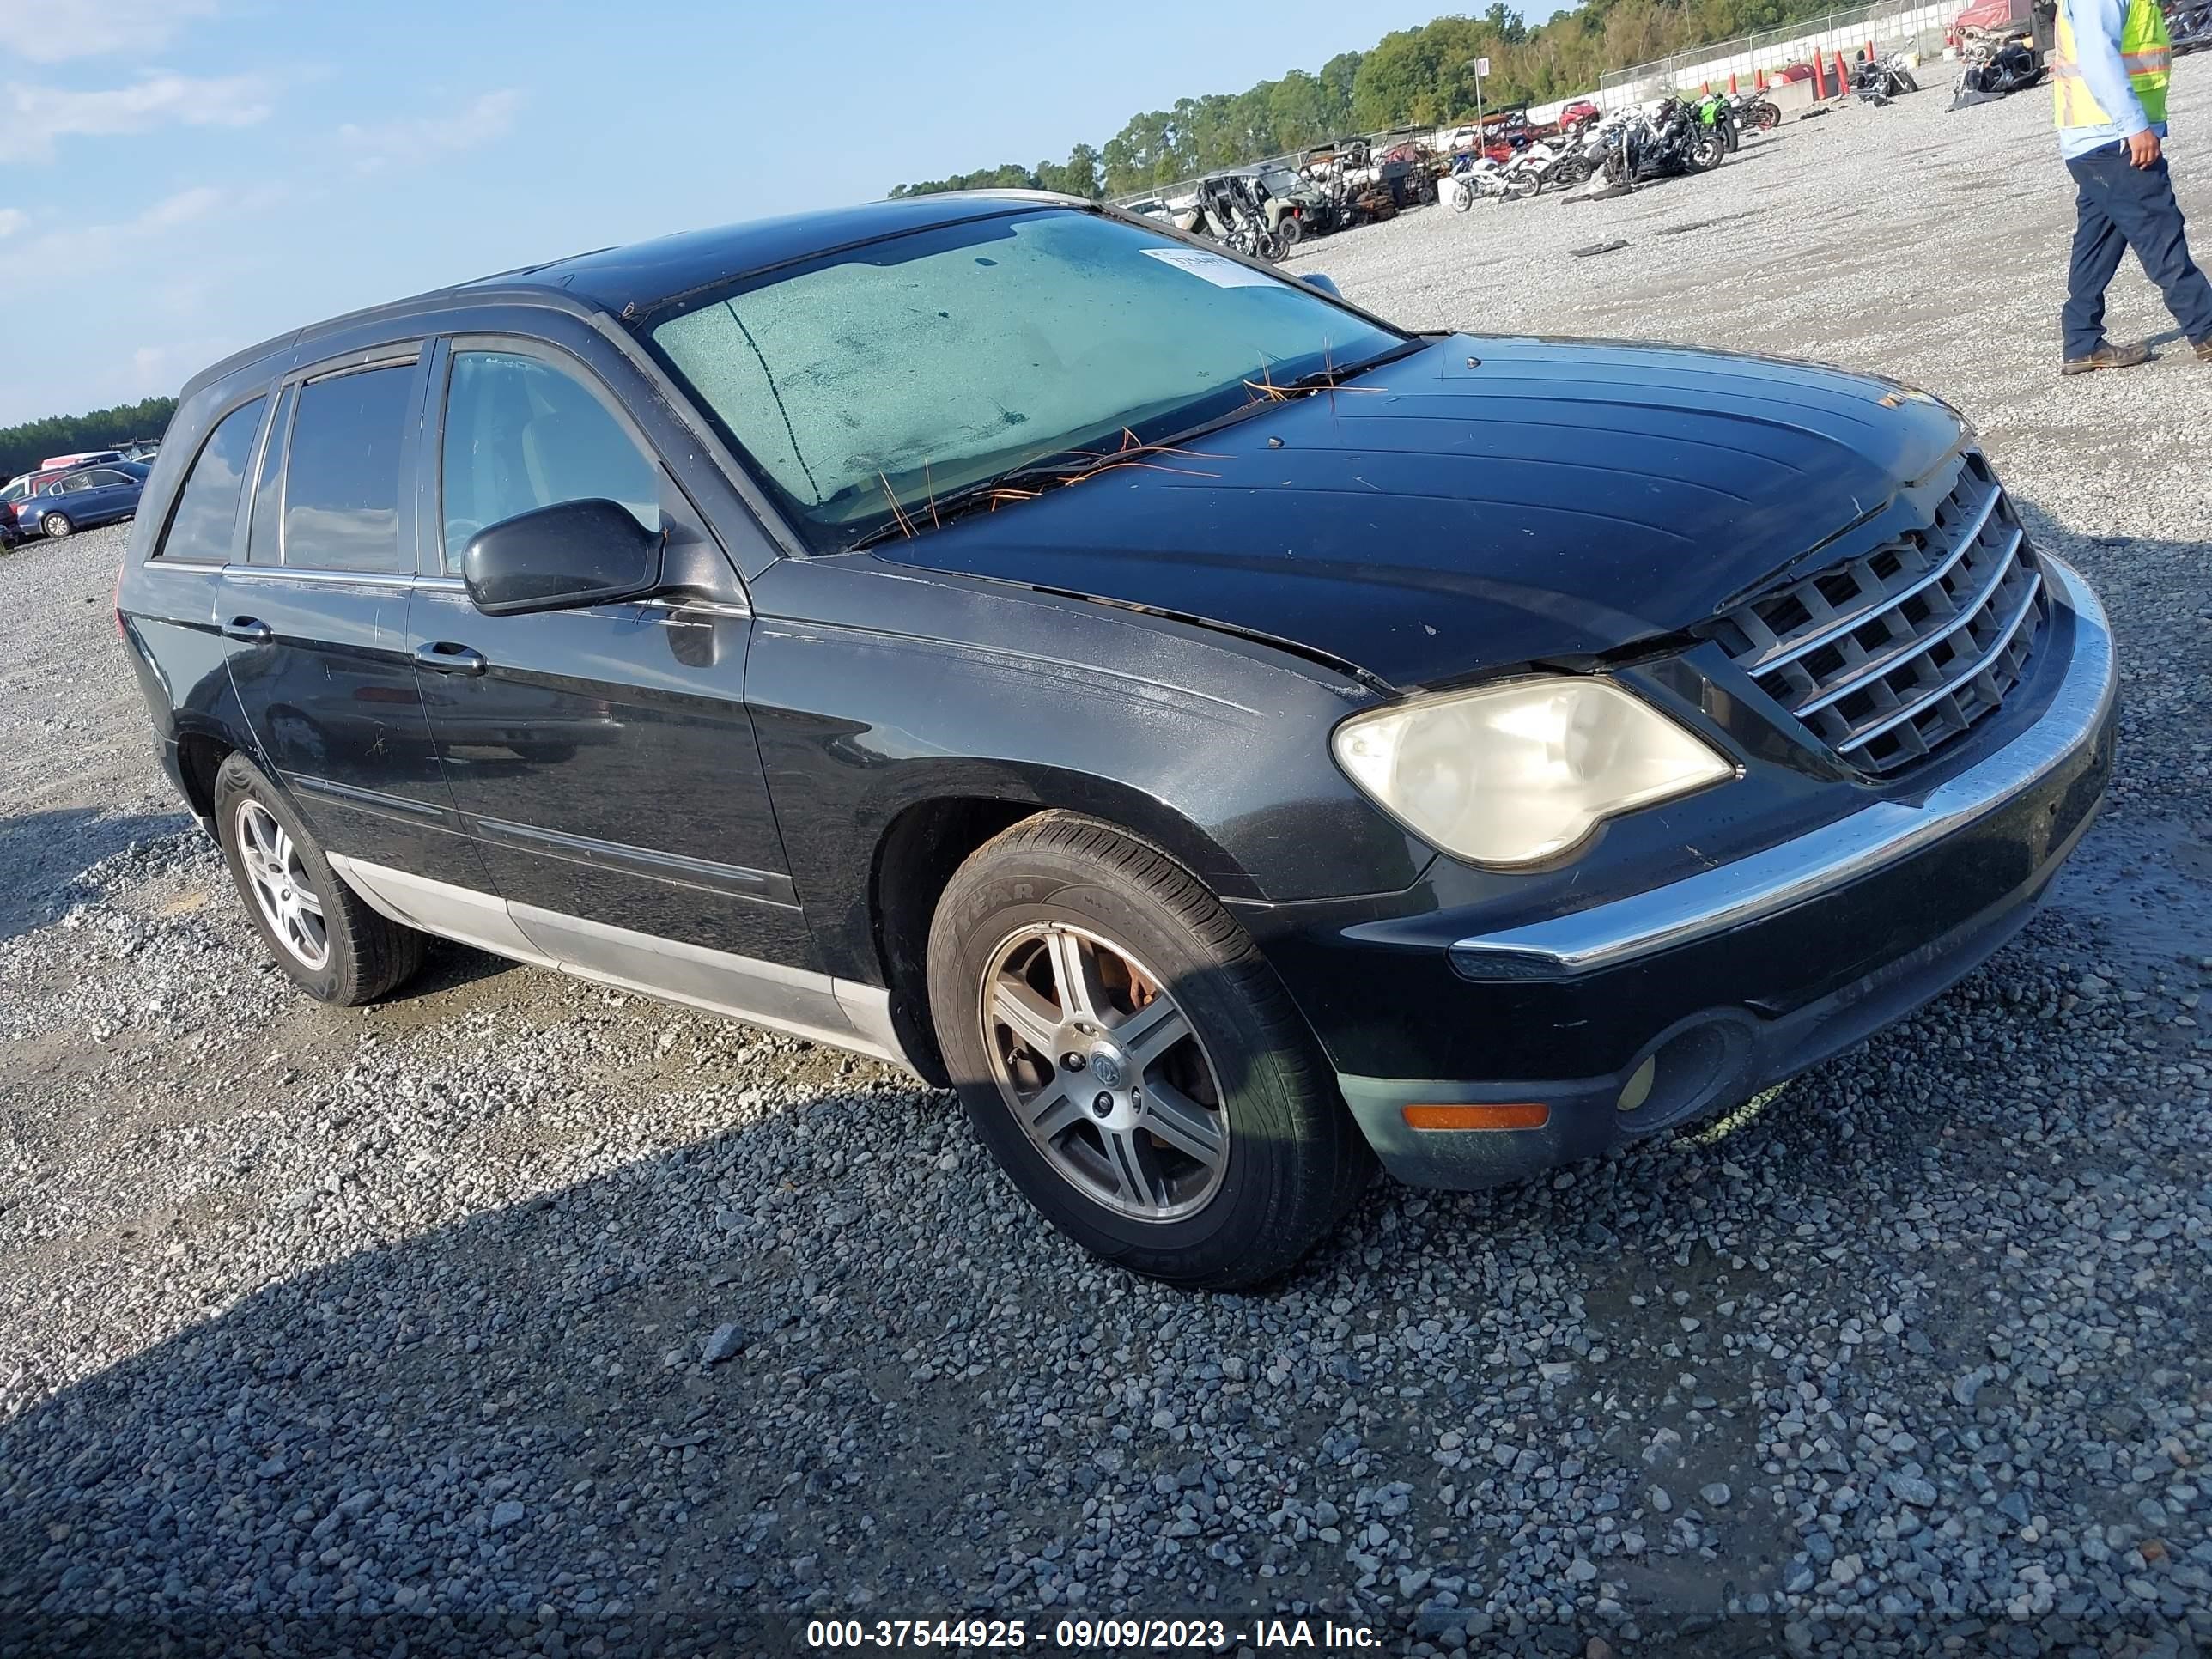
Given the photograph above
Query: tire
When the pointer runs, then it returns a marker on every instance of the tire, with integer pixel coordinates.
(1575, 170)
(1522, 185)
(1765, 117)
(1460, 194)
(1285, 1160)
(362, 955)
(1292, 231)
(56, 525)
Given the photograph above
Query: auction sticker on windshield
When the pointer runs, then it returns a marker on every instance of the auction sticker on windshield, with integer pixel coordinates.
(1219, 271)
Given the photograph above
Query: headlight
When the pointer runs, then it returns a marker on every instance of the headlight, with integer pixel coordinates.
(1513, 774)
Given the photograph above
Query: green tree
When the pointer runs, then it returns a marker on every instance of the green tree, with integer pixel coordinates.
(1420, 77)
(22, 447)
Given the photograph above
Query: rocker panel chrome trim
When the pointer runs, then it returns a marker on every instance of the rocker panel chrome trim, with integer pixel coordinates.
(797, 1001)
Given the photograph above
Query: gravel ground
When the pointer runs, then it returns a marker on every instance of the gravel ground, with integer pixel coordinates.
(520, 1316)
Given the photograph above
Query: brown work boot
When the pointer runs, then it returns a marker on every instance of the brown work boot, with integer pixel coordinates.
(2108, 355)
(2204, 350)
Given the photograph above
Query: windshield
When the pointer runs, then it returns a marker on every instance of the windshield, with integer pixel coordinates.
(863, 387)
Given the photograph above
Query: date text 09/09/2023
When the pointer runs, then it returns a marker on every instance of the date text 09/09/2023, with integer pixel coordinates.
(1316, 1636)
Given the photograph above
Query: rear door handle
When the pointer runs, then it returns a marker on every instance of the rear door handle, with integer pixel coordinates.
(251, 630)
(444, 657)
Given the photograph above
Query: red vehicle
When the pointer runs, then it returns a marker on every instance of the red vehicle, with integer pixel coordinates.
(1578, 115)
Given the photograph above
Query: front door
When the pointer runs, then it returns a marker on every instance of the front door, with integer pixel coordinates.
(603, 756)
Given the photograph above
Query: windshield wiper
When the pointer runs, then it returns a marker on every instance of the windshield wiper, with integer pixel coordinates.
(1071, 466)
(1029, 481)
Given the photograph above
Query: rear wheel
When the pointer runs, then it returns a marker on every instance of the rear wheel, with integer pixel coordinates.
(1765, 116)
(1131, 1060)
(1520, 186)
(316, 928)
(56, 525)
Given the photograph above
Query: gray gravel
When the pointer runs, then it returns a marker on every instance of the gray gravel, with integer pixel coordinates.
(522, 1316)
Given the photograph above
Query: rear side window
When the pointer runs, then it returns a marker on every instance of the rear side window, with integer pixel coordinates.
(520, 434)
(207, 507)
(342, 473)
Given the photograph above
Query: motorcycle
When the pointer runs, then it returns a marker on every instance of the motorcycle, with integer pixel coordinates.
(1876, 80)
(1541, 166)
(1668, 142)
(1228, 211)
(2189, 25)
(1474, 177)
(1756, 113)
(1716, 110)
(1994, 72)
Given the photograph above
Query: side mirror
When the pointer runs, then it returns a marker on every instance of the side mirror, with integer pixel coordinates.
(1326, 283)
(557, 557)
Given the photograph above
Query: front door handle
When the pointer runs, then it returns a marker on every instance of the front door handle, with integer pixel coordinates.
(251, 630)
(444, 657)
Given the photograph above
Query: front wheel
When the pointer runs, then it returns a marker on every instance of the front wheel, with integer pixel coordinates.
(56, 525)
(1132, 1062)
(1292, 231)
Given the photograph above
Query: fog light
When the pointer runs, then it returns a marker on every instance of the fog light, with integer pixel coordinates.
(1638, 1089)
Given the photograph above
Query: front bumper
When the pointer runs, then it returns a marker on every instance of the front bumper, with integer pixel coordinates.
(1734, 978)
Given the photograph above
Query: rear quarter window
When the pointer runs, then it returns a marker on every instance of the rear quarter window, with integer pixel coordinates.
(206, 519)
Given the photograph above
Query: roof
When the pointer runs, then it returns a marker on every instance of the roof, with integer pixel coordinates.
(645, 273)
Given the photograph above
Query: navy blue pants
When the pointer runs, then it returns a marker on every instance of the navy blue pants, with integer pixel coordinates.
(2121, 207)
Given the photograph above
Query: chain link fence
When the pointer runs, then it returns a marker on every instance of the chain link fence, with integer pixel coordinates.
(1890, 27)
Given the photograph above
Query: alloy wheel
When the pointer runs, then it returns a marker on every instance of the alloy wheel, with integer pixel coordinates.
(289, 902)
(55, 526)
(1104, 1072)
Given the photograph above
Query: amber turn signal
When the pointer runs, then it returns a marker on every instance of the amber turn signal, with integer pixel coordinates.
(1520, 1114)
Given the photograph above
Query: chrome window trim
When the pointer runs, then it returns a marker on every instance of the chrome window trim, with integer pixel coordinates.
(305, 573)
(1730, 894)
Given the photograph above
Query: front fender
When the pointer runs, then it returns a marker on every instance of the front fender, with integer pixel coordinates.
(894, 689)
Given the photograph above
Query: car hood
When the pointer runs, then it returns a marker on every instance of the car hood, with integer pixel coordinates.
(1481, 503)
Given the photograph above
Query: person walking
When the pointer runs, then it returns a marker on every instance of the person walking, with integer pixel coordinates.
(2108, 82)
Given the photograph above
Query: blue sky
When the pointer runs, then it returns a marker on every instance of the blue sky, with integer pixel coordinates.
(180, 178)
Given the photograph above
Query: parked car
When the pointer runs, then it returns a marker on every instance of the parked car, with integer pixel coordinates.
(82, 458)
(10, 493)
(81, 499)
(1465, 753)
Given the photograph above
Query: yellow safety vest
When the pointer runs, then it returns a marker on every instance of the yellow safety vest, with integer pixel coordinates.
(2145, 51)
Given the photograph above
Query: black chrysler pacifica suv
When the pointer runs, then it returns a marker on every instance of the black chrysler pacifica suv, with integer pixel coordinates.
(1229, 739)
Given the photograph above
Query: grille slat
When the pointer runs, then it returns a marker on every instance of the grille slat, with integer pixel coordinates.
(1890, 655)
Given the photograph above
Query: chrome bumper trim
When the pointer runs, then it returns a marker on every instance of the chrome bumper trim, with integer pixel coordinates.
(1729, 895)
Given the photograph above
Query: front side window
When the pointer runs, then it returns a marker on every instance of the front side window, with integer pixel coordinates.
(520, 434)
(207, 506)
(865, 385)
(342, 473)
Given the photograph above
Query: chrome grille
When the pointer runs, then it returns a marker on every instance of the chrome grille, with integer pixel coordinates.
(1890, 656)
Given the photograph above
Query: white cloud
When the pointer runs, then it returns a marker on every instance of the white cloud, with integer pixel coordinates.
(38, 115)
(13, 220)
(488, 117)
(53, 31)
(79, 250)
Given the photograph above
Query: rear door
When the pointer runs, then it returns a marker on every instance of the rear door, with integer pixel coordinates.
(106, 494)
(604, 755)
(318, 618)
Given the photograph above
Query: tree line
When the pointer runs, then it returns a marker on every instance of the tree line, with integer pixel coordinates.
(1421, 76)
(22, 447)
